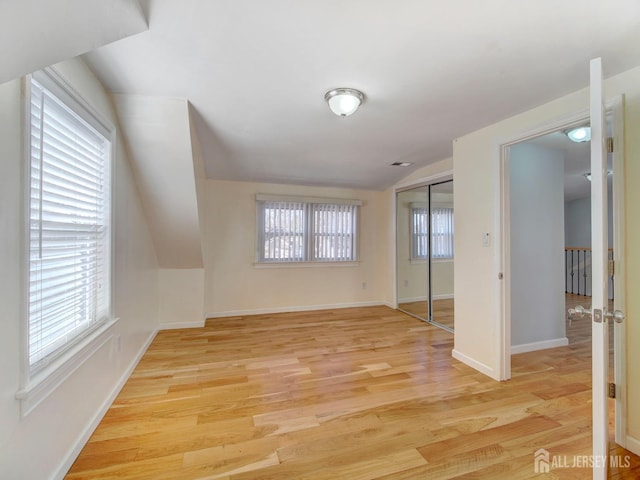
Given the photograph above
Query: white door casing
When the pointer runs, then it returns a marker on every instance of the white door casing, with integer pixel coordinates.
(599, 275)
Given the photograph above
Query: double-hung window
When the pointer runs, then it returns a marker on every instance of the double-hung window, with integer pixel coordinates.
(441, 232)
(69, 254)
(292, 229)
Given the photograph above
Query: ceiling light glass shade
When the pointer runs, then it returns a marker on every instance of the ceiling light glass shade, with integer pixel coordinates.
(580, 134)
(344, 101)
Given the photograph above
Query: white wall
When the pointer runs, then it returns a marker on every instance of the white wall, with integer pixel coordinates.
(234, 285)
(181, 298)
(42, 445)
(477, 194)
(577, 228)
(577, 214)
(159, 137)
(536, 187)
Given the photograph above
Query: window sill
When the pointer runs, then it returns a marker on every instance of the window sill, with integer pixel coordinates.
(305, 264)
(53, 375)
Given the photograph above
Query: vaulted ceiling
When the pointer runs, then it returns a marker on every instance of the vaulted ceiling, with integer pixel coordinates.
(255, 72)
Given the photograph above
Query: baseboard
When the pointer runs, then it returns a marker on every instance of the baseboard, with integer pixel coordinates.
(444, 296)
(74, 451)
(633, 445)
(413, 299)
(531, 347)
(306, 308)
(476, 365)
(178, 325)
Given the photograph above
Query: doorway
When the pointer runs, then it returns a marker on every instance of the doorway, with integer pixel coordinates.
(515, 267)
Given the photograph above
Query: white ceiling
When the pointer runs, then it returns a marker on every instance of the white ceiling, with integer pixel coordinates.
(36, 33)
(255, 73)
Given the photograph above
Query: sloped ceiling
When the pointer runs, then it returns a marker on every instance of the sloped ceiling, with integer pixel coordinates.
(38, 33)
(256, 71)
(158, 135)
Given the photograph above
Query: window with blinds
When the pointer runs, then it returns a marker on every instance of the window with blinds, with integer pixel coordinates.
(69, 223)
(306, 230)
(441, 232)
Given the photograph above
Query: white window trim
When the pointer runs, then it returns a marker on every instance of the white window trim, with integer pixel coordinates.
(263, 197)
(47, 379)
(36, 387)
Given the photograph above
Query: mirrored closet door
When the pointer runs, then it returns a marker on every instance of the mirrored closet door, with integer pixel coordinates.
(424, 253)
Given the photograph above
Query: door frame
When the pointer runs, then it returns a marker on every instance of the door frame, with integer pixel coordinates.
(615, 108)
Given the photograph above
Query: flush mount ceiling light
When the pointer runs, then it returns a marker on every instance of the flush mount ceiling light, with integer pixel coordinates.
(579, 134)
(344, 101)
(401, 164)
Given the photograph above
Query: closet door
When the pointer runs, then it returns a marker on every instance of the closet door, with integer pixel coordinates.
(412, 252)
(441, 255)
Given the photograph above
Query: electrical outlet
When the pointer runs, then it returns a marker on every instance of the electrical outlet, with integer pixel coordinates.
(364, 285)
(405, 283)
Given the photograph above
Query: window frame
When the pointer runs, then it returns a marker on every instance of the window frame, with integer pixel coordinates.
(309, 207)
(38, 384)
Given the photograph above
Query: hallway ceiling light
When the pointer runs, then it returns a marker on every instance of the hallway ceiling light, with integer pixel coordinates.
(579, 134)
(344, 101)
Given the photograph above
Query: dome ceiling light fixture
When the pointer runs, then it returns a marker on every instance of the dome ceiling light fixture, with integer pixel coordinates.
(344, 101)
(579, 134)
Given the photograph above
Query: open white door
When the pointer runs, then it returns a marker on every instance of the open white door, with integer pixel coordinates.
(600, 286)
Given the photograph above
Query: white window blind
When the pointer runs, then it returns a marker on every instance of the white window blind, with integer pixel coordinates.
(419, 233)
(69, 226)
(307, 231)
(441, 232)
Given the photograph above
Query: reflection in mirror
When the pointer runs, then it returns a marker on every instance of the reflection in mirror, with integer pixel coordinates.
(412, 252)
(441, 258)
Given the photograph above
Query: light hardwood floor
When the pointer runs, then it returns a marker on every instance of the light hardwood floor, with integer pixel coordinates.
(442, 311)
(366, 393)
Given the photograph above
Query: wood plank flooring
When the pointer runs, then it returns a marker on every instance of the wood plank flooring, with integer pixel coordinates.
(442, 310)
(366, 393)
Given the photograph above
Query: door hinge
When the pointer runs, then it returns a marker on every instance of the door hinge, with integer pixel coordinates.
(609, 144)
(612, 268)
(612, 390)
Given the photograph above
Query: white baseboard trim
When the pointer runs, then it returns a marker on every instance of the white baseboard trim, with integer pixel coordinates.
(633, 445)
(74, 451)
(531, 347)
(413, 299)
(444, 296)
(306, 308)
(178, 325)
(481, 367)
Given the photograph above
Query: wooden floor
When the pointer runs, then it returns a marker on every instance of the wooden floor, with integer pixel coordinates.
(367, 393)
(442, 310)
